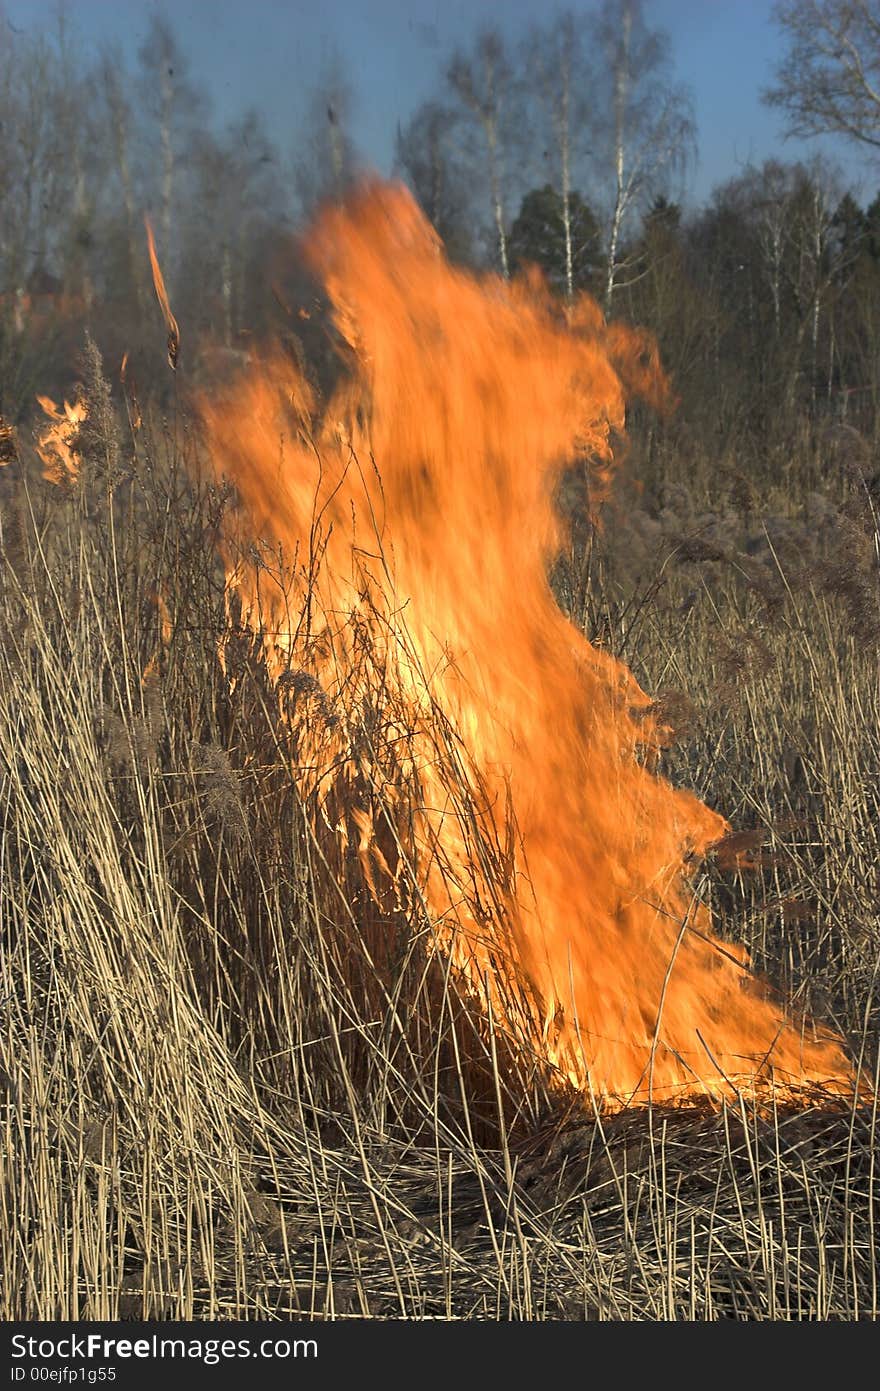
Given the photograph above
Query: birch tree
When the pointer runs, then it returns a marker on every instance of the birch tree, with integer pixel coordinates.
(828, 82)
(565, 244)
(644, 142)
(36, 197)
(427, 155)
(560, 81)
(485, 86)
(789, 268)
(83, 155)
(235, 193)
(119, 124)
(173, 107)
(325, 159)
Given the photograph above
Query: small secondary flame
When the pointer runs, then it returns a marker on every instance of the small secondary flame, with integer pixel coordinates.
(162, 297)
(57, 444)
(416, 512)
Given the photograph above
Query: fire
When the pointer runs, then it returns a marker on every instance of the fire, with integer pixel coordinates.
(415, 511)
(8, 445)
(162, 297)
(57, 445)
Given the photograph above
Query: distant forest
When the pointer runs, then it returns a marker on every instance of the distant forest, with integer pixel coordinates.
(570, 152)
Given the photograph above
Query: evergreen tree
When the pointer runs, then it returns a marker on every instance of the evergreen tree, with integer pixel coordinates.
(537, 237)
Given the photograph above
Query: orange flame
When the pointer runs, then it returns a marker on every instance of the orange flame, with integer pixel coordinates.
(57, 445)
(162, 297)
(8, 444)
(418, 510)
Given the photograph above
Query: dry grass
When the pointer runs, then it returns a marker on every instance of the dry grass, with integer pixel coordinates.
(233, 1088)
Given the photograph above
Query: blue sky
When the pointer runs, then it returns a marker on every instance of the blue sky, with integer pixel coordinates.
(266, 52)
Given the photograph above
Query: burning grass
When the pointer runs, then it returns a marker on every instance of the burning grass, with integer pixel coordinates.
(269, 1043)
(413, 525)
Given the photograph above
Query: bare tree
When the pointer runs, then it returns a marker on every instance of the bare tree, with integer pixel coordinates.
(427, 155)
(235, 191)
(817, 199)
(565, 244)
(648, 135)
(111, 77)
(38, 192)
(485, 86)
(83, 151)
(789, 265)
(173, 105)
(34, 175)
(555, 61)
(325, 160)
(829, 80)
(772, 190)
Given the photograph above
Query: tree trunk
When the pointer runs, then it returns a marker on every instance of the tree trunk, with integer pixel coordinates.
(120, 141)
(565, 151)
(621, 84)
(497, 201)
(167, 160)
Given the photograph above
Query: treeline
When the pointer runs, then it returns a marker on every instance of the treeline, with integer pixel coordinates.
(569, 151)
(89, 148)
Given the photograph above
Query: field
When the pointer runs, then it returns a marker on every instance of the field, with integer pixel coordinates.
(239, 1084)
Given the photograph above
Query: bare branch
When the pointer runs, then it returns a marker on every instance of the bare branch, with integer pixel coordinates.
(828, 83)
